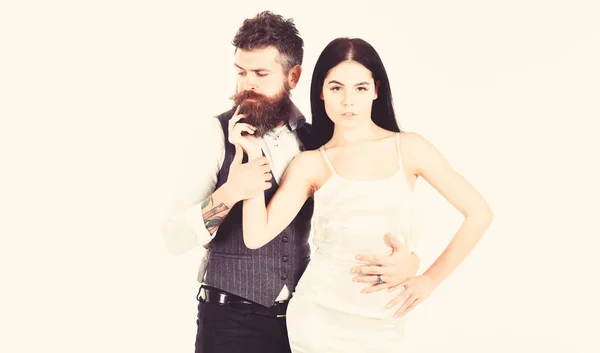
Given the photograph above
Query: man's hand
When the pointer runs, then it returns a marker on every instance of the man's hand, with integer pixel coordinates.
(392, 270)
(246, 180)
(242, 134)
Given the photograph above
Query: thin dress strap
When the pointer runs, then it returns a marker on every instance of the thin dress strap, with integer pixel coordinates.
(398, 151)
(324, 154)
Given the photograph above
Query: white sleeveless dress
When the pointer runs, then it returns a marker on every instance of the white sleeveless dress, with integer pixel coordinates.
(328, 312)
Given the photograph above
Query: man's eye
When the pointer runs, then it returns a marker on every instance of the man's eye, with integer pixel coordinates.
(241, 73)
(260, 74)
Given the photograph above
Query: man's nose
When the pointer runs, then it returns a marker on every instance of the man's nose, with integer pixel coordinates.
(249, 83)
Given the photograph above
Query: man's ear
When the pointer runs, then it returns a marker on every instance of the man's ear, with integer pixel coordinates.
(294, 76)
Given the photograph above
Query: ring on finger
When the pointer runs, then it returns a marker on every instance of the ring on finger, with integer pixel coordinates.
(379, 280)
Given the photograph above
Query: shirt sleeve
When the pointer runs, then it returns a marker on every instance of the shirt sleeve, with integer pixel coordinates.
(184, 227)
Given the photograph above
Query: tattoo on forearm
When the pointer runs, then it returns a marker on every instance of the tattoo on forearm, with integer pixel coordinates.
(215, 211)
(212, 223)
(212, 215)
(206, 202)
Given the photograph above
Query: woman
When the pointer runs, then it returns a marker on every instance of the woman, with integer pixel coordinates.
(361, 180)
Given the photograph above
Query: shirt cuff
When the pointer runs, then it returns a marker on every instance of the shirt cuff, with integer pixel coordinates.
(195, 221)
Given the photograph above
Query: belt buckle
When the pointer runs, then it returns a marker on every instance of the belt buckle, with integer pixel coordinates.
(280, 302)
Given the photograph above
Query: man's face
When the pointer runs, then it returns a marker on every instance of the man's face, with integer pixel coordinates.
(259, 70)
(262, 90)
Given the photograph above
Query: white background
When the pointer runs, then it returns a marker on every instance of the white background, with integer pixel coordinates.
(97, 101)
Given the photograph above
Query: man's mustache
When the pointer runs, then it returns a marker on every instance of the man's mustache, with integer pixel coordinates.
(247, 94)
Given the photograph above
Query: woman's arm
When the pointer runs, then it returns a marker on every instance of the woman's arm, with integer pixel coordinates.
(262, 224)
(429, 163)
(435, 169)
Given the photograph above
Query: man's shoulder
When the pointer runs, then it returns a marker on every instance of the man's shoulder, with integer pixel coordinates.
(222, 120)
(225, 116)
(307, 135)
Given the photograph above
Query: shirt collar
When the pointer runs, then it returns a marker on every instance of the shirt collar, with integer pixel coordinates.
(295, 118)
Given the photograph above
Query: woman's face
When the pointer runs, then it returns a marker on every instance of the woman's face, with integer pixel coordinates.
(348, 93)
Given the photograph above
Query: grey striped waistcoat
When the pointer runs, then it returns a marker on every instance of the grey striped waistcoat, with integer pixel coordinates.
(258, 275)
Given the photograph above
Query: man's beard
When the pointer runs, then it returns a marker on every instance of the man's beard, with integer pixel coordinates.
(264, 113)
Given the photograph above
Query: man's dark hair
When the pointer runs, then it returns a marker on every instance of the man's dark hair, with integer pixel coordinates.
(268, 29)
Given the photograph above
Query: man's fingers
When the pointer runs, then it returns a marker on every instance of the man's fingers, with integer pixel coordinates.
(375, 288)
(370, 270)
(265, 168)
(371, 279)
(236, 112)
(261, 161)
(233, 122)
(235, 130)
(251, 127)
(242, 127)
(370, 258)
(236, 116)
(246, 125)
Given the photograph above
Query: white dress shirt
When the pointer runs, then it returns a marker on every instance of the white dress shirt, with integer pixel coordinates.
(184, 229)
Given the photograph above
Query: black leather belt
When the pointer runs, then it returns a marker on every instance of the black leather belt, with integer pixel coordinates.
(217, 296)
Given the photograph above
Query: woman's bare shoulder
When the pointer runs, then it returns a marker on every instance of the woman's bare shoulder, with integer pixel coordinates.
(414, 142)
(418, 153)
(309, 166)
(306, 159)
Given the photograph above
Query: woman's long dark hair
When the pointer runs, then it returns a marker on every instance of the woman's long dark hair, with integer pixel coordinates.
(346, 49)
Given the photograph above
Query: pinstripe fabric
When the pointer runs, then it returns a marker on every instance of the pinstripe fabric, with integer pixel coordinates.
(258, 275)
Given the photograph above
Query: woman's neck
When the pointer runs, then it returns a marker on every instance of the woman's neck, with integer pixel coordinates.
(343, 136)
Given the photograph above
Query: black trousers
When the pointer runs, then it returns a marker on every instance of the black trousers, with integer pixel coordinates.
(225, 330)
